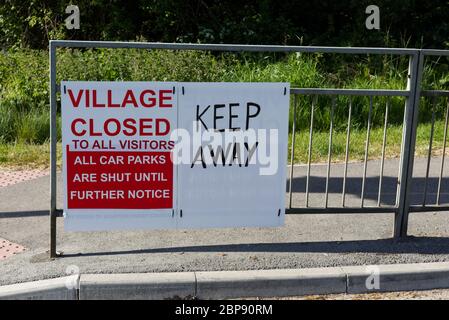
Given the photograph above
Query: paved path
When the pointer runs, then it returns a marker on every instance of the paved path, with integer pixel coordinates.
(304, 241)
(10, 176)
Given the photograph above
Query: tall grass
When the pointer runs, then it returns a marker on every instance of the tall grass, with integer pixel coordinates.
(24, 108)
(357, 143)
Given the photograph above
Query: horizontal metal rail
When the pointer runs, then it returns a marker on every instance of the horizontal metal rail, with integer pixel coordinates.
(229, 47)
(429, 208)
(435, 93)
(349, 210)
(434, 52)
(350, 92)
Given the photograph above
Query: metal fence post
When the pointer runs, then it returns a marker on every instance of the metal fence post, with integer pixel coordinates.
(408, 144)
(53, 140)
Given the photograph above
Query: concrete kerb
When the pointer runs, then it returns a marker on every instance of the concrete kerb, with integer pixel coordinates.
(400, 277)
(235, 284)
(269, 283)
(64, 288)
(169, 285)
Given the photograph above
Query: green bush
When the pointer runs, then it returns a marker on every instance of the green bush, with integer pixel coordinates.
(326, 22)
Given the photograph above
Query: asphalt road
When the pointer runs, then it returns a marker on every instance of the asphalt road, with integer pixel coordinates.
(311, 240)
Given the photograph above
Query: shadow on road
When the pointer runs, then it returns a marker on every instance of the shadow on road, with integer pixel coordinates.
(24, 214)
(412, 245)
(389, 188)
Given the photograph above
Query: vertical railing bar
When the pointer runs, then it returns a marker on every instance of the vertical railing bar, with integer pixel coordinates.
(53, 151)
(398, 180)
(384, 143)
(309, 156)
(429, 153)
(329, 153)
(415, 72)
(348, 137)
(365, 162)
(444, 153)
(292, 156)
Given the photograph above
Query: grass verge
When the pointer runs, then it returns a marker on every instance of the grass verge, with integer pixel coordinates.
(23, 155)
(27, 156)
(358, 140)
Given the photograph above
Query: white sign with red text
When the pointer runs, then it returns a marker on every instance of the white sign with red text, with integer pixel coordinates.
(118, 172)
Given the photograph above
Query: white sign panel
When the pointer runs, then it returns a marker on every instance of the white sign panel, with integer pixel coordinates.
(236, 169)
(117, 168)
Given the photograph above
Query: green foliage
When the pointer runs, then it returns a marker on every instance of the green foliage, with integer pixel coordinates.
(32, 23)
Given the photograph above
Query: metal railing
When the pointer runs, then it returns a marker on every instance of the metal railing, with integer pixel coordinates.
(443, 168)
(341, 205)
(409, 200)
(425, 205)
(402, 203)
